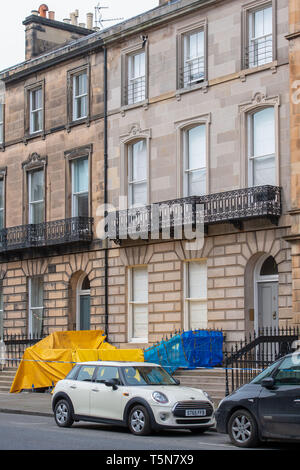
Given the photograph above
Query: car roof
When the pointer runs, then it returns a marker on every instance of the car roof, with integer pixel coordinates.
(118, 364)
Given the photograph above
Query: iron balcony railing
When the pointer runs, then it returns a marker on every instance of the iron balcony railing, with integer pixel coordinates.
(259, 52)
(58, 232)
(192, 72)
(135, 91)
(231, 206)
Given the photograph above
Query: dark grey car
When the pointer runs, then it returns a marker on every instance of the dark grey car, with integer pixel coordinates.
(268, 408)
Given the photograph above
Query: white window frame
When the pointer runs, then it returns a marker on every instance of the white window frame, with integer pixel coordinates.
(251, 157)
(2, 209)
(190, 61)
(35, 111)
(132, 303)
(31, 203)
(1, 123)
(132, 80)
(251, 40)
(131, 182)
(77, 97)
(188, 299)
(30, 308)
(78, 193)
(186, 170)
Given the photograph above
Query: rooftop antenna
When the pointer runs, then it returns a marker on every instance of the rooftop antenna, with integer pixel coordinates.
(99, 16)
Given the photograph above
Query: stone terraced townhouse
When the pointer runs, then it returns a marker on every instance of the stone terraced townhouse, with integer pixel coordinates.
(185, 108)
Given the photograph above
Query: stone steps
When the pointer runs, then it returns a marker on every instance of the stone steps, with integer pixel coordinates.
(6, 379)
(211, 381)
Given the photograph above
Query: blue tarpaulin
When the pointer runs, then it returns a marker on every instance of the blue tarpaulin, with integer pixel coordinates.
(190, 349)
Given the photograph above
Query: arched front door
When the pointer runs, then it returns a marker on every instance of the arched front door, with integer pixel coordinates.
(83, 304)
(266, 293)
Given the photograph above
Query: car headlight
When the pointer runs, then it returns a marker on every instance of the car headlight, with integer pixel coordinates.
(207, 396)
(159, 397)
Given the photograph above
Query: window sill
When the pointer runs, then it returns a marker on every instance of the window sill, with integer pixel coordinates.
(140, 104)
(34, 135)
(85, 120)
(198, 86)
(138, 341)
(250, 70)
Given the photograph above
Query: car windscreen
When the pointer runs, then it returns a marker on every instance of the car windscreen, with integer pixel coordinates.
(265, 373)
(145, 375)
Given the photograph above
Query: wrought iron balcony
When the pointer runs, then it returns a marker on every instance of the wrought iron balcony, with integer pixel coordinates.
(58, 232)
(228, 207)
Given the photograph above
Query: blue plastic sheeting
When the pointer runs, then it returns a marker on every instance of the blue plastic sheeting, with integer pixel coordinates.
(190, 349)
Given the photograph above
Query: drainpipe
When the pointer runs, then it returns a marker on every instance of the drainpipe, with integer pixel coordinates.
(105, 194)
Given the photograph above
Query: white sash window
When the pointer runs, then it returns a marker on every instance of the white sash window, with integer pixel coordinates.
(138, 305)
(196, 295)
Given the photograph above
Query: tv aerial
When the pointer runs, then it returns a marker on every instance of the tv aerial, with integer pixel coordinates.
(99, 20)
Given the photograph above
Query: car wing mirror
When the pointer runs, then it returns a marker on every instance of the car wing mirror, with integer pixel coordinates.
(111, 383)
(268, 382)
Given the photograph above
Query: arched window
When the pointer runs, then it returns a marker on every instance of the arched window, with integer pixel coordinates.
(262, 148)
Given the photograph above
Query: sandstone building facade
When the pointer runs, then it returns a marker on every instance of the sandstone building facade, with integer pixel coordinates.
(186, 104)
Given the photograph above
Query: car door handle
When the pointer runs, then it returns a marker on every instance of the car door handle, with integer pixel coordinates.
(95, 390)
(297, 400)
(73, 386)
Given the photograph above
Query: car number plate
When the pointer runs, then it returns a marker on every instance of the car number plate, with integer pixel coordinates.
(195, 412)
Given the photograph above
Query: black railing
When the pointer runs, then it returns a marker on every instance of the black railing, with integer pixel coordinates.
(247, 359)
(192, 72)
(135, 91)
(259, 52)
(15, 346)
(232, 206)
(76, 229)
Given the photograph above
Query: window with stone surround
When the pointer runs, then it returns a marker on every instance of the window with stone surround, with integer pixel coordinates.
(136, 86)
(137, 173)
(78, 94)
(80, 187)
(134, 63)
(78, 181)
(192, 55)
(36, 197)
(36, 306)
(34, 109)
(2, 197)
(262, 147)
(259, 24)
(138, 304)
(34, 189)
(194, 151)
(1, 124)
(195, 294)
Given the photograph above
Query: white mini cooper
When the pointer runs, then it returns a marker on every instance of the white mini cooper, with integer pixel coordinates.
(142, 396)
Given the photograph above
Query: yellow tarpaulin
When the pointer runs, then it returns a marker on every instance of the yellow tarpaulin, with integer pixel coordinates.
(50, 360)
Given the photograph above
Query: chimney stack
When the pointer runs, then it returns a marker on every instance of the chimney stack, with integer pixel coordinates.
(43, 33)
(43, 10)
(89, 20)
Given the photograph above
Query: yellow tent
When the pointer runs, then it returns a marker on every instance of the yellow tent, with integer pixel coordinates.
(50, 360)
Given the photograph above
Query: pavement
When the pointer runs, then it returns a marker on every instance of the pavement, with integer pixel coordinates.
(28, 403)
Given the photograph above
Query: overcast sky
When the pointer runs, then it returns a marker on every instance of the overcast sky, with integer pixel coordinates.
(13, 12)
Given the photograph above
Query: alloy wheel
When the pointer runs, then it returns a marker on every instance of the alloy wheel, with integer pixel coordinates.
(138, 421)
(241, 429)
(62, 413)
